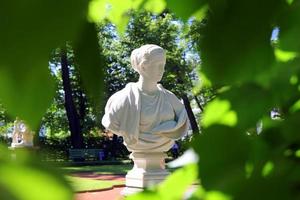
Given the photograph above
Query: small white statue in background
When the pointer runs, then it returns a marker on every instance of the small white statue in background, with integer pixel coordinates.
(16, 135)
(148, 116)
(22, 136)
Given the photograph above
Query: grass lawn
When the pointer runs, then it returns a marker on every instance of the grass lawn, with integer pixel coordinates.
(85, 184)
(99, 169)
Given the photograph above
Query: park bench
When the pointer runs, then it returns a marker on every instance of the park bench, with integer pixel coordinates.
(85, 154)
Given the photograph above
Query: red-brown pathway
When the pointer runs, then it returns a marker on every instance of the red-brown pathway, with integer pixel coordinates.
(107, 194)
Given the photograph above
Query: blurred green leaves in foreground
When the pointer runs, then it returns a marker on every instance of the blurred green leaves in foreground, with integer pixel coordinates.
(256, 70)
(238, 52)
(30, 31)
(24, 178)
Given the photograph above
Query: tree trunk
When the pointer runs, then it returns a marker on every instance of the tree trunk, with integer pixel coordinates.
(190, 113)
(36, 136)
(73, 118)
(82, 107)
(198, 103)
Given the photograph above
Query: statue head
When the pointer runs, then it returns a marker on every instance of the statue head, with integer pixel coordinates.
(149, 61)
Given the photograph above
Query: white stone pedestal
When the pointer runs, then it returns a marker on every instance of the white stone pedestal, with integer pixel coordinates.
(22, 145)
(148, 170)
(15, 151)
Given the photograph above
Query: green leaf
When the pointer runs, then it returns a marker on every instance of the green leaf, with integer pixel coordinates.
(216, 195)
(201, 13)
(155, 6)
(205, 82)
(297, 153)
(268, 167)
(187, 8)
(219, 112)
(291, 123)
(295, 107)
(223, 153)
(250, 102)
(178, 182)
(289, 27)
(26, 93)
(237, 49)
(264, 188)
(90, 64)
(32, 30)
(118, 11)
(25, 179)
(282, 85)
(145, 195)
(294, 80)
(200, 193)
(274, 179)
(258, 156)
(285, 56)
(98, 10)
(289, 1)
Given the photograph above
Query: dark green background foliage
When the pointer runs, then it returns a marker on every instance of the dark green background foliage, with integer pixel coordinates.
(252, 73)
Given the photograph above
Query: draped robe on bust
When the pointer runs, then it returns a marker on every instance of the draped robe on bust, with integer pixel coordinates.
(146, 122)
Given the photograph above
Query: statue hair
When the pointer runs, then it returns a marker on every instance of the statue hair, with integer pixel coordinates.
(141, 56)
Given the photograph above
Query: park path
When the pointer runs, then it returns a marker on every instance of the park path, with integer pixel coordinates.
(106, 194)
(113, 194)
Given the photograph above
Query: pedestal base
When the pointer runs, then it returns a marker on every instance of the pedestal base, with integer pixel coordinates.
(17, 150)
(130, 190)
(149, 170)
(28, 148)
(21, 145)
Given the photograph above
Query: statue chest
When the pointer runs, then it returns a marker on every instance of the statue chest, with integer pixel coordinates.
(155, 110)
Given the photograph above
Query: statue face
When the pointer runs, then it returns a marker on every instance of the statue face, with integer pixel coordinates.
(154, 70)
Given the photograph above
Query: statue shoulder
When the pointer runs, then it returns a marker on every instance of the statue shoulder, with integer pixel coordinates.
(168, 93)
(116, 100)
(173, 99)
(120, 98)
(119, 106)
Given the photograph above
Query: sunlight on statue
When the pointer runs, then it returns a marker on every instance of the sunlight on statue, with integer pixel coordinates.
(149, 118)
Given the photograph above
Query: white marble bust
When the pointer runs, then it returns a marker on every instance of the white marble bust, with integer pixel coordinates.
(148, 116)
